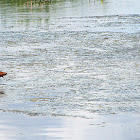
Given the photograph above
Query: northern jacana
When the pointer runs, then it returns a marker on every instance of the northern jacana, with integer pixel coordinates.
(2, 74)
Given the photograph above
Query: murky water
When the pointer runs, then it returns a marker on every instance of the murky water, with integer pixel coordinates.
(70, 58)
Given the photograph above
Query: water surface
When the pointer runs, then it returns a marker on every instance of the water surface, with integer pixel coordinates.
(70, 58)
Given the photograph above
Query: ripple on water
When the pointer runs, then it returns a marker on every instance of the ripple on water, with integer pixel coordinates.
(78, 66)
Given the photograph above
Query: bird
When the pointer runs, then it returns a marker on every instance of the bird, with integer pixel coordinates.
(2, 74)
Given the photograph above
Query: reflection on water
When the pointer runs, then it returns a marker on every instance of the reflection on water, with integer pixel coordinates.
(63, 64)
(123, 127)
(1, 92)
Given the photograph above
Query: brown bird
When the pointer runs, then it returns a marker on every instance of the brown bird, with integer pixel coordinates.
(2, 74)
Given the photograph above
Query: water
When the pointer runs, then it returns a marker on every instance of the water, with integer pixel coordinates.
(54, 128)
(70, 58)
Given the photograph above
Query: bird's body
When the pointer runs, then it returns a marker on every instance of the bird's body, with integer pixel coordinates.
(2, 74)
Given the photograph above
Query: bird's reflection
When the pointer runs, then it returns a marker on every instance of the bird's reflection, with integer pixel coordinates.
(2, 92)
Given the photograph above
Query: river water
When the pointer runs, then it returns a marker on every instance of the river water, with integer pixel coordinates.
(70, 62)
